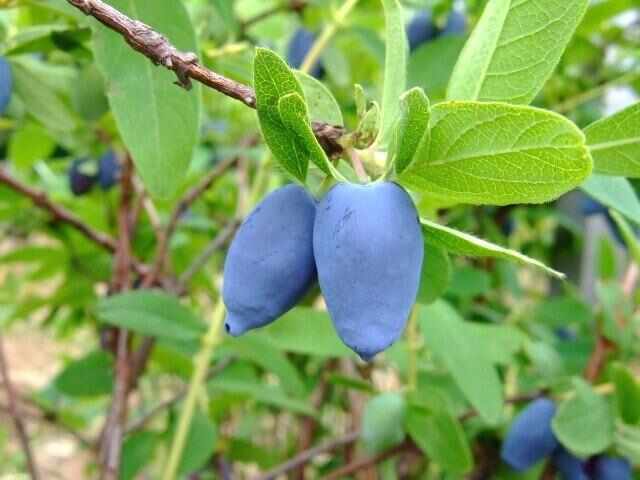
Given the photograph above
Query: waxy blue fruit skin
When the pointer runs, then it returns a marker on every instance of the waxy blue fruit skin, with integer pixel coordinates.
(611, 468)
(270, 263)
(569, 466)
(80, 182)
(108, 170)
(530, 438)
(456, 24)
(6, 84)
(299, 47)
(369, 249)
(421, 30)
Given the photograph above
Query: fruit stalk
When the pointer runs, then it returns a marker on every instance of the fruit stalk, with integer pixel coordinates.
(209, 343)
(327, 34)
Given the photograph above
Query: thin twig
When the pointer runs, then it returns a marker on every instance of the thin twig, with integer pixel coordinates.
(185, 65)
(216, 244)
(369, 461)
(192, 195)
(140, 423)
(113, 433)
(41, 200)
(15, 414)
(305, 457)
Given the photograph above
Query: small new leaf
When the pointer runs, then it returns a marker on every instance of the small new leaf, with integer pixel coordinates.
(273, 80)
(412, 129)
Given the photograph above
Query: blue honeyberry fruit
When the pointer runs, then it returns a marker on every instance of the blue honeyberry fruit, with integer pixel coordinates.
(530, 438)
(80, 182)
(456, 24)
(299, 47)
(6, 84)
(369, 249)
(569, 466)
(108, 170)
(611, 468)
(421, 29)
(270, 263)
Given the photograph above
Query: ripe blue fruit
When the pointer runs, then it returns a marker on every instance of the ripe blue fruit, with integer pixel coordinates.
(80, 182)
(421, 29)
(6, 84)
(299, 47)
(270, 263)
(108, 170)
(456, 24)
(568, 465)
(368, 247)
(611, 468)
(530, 438)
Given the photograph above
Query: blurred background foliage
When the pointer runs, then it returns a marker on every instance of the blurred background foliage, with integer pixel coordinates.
(528, 332)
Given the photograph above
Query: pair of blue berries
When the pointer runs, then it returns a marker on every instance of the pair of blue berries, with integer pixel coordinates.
(362, 243)
(531, 439)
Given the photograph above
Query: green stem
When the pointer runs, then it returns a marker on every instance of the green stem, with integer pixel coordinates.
(412, 339)
(259, 183)
(327, 34)
(209, 342)
(572, 103)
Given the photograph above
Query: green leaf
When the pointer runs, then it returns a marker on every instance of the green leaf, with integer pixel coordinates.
(30, 144)
(499, 343)
(157, 120)
(151, 313)
(273, 80)
(431, 65)
(90, 376)
(627, 393)
(628, 235)
(441, 437)
(200, 444)
(584, 422)
(259, 351)
(265, 394)
(498, 154)
(513, 49)
(40, 99)
(460, 243)
(294, 116)
(614, 143)
(137, 451)
(446, 334)
(306, 331)
(383, 422)
(616, 193)
(627, 442)
(436, 274)
(395, 67)
(412, 129)
(601, 11)
(323, 107)
(368, 127)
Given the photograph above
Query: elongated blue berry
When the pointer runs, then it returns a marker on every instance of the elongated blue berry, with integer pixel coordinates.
(569, 466)
(611, 468)
(6, 84)
(369, 249)
(530, 438)
(270, 263)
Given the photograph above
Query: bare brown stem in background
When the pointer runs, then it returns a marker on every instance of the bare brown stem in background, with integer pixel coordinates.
(306, 456)
(185, 65)
(60, 214)
(113, 433)
(367, 462)
(12, 406)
